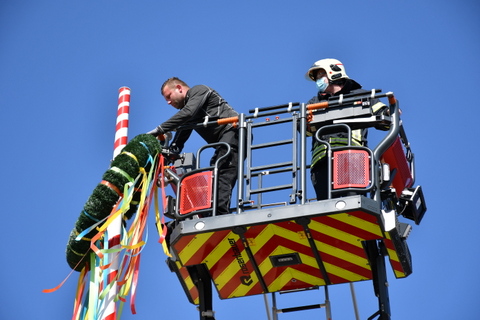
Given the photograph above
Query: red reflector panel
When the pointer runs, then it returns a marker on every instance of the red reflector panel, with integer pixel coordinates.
(196, 192)
(395, 157)
(351, 169)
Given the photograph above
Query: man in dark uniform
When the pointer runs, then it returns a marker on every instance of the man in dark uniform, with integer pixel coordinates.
(194, 104)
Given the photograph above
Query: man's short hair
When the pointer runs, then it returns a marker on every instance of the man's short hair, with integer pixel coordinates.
(173, 81)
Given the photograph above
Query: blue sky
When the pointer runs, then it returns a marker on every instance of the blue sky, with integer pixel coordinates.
(62, 62)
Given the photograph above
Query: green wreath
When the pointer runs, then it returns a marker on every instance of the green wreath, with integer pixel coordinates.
(123, 169)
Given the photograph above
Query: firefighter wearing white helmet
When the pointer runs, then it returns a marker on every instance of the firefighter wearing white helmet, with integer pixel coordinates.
(334, 70)
(332, 80)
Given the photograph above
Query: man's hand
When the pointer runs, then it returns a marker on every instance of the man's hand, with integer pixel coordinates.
(155, 132)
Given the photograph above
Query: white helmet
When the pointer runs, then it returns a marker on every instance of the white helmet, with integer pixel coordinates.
(334, 68)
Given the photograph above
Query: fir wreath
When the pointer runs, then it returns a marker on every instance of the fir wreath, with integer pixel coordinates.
(123, 169)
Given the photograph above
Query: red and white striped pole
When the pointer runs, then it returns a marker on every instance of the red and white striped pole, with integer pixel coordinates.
(115, 227)
(121, 130)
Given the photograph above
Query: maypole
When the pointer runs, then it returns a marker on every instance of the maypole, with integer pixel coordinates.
(121, 130)
(99, 244)
(115, 227)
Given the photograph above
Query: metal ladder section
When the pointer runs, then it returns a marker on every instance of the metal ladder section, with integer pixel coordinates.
(293, 145)
(255, 174)
(272, 314)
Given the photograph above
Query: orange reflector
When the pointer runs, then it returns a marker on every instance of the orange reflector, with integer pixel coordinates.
(196, 192)
(351, 169)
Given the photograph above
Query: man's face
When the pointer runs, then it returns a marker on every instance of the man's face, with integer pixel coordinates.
(320, 74)
(175, 96)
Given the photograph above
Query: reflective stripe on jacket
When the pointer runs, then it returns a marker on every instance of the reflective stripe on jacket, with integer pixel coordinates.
(320, 149)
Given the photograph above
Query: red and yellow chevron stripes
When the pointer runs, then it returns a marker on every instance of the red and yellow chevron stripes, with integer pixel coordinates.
(225, 257)
(327, 250)
(189, 285)
(282, 238)
(339, 237)
(398, 269)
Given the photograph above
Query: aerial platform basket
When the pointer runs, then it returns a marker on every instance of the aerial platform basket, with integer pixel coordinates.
(285, 248)
(297, 244)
